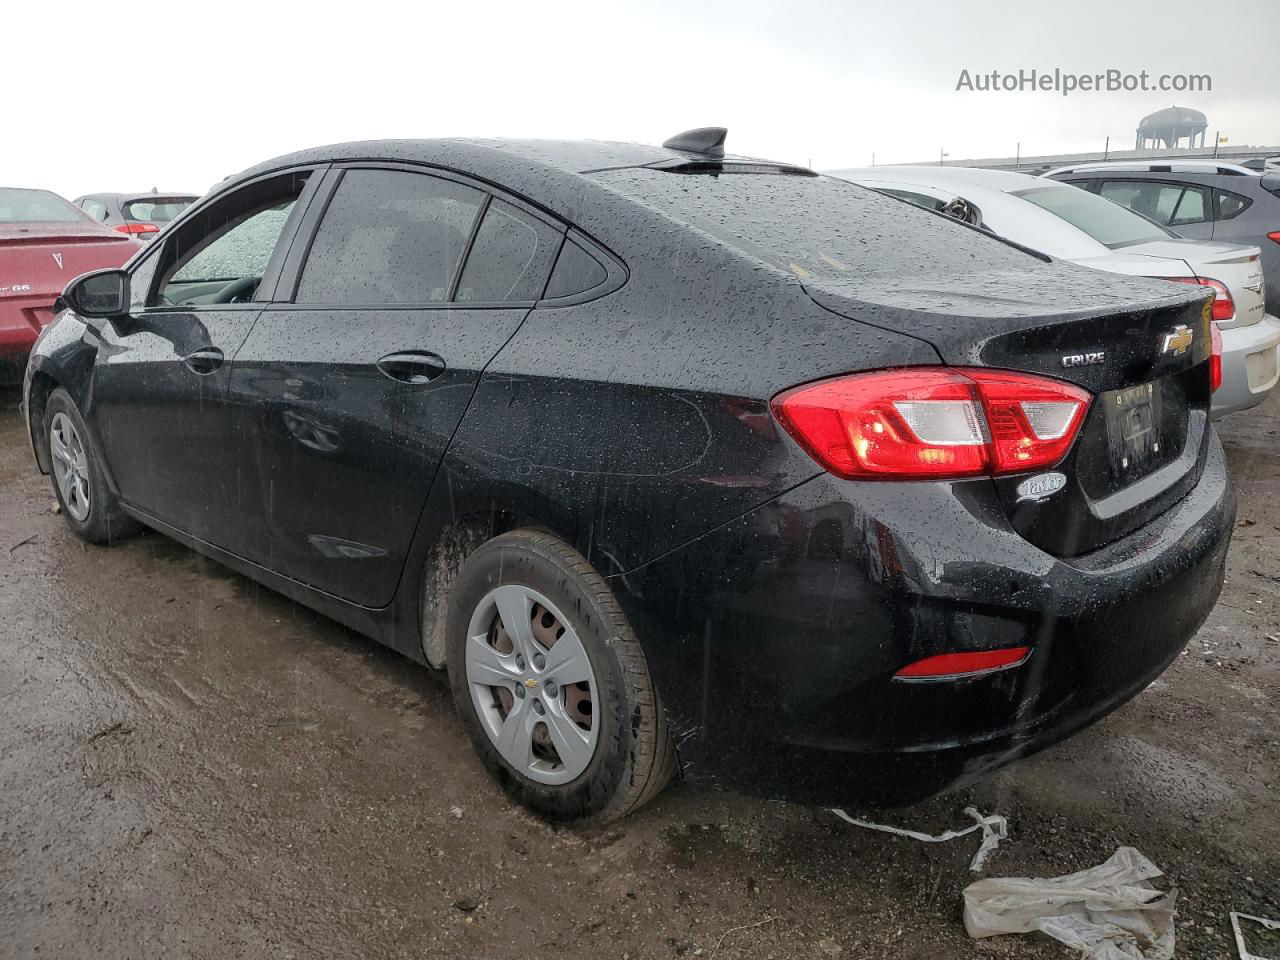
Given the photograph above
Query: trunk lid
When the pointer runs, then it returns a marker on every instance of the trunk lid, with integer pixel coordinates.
(40, 259)
(1139, 346)
(1237, 266)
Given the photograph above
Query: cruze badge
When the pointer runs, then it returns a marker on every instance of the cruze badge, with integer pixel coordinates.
(1084, 359)
(1177, 340)
(1041, 486)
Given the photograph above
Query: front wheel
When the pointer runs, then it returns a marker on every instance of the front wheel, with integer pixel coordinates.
(551, 683)
(87, 502)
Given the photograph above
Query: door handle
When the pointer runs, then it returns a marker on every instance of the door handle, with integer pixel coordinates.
(205, 360)
(412, 366)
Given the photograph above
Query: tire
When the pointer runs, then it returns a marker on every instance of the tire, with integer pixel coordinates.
(88, 504)
(631, 753)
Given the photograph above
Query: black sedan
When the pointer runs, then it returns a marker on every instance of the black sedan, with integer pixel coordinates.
(676, 461)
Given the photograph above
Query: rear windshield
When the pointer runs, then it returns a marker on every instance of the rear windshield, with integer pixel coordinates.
(155, 211)
(815, 227)
(36, 206)
(1109, 223)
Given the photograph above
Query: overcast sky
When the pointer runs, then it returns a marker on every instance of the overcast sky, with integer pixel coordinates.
(104, 97)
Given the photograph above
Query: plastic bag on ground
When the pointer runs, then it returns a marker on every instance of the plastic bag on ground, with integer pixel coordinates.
(1108, 912)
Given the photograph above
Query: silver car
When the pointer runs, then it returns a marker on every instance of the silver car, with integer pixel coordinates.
(1072, 224)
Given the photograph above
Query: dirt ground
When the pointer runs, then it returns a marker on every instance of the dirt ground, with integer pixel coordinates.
(192, 766)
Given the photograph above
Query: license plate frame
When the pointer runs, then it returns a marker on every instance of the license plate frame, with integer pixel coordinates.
(1134, 419)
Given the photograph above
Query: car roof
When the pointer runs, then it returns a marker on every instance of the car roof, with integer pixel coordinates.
(551, 173)
(479, 156)
(1156, 166)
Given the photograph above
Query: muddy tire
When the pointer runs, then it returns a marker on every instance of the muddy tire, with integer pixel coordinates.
(551, 684)
(88, 504)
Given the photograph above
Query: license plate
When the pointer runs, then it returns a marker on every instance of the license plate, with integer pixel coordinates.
(1133, 428)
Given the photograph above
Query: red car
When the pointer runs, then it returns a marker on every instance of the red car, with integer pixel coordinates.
(44, 243)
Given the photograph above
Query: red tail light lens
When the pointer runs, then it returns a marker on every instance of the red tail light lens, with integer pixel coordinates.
(1224, 308)
(1215, 358)
(933, 422)
(133, 228)
(948, 666)
(1274, 235)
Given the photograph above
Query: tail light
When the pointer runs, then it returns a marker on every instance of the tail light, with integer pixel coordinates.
(1215, 358)
(135, 228)
(1224, 308)
(1274, 235)
(933, 422)
(949, 666)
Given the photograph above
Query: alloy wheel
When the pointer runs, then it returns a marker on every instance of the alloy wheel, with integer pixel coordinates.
(70, 466)
(532, 684)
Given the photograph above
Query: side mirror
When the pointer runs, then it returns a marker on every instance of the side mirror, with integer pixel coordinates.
(102, 293)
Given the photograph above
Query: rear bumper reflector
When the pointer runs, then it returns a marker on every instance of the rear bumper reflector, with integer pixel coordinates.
(957, 666)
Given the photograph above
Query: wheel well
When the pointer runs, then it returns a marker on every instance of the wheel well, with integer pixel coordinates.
(42, 385)
(440, 568)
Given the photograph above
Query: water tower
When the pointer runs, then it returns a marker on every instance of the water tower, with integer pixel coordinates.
(1167, 128)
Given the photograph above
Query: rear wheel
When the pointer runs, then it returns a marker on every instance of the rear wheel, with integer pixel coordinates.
(90, 507)
(551, 683)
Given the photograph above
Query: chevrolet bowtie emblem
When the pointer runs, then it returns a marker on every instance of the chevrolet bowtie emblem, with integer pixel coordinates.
(531, 683)
(1177, 340)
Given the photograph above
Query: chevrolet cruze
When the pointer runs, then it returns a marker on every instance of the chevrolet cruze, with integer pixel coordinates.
(676, 462)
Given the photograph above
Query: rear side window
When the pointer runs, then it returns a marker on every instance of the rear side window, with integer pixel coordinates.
(94, 208)
(1229, 204)
(577, 271)
(389, 236)
(510, 259)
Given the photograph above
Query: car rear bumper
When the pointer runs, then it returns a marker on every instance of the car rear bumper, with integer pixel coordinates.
(21, 320)
(1250, 365)
(774, 640)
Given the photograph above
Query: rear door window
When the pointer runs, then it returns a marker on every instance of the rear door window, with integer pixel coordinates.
(1193, 207)
(510, 258)
(1170, 204)
(389, 237)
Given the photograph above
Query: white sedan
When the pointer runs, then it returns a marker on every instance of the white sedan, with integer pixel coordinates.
(1073, 224)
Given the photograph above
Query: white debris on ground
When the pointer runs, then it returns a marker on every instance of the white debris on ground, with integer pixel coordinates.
(1238, 930)
(994, 829)
(1107, 912)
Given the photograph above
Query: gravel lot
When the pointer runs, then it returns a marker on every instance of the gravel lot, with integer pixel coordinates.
(192, 766)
